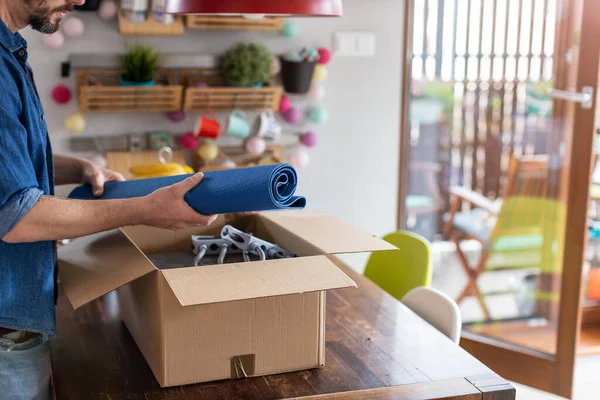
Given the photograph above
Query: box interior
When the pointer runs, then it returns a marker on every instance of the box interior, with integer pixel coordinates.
(154, 241)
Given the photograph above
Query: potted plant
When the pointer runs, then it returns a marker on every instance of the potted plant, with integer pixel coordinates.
(247, 65)
(140, 64)
(297, 70)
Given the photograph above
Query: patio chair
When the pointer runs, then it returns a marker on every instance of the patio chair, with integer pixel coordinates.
(520, 230)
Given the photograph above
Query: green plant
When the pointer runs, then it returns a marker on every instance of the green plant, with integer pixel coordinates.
(247, 65)
(140, 63)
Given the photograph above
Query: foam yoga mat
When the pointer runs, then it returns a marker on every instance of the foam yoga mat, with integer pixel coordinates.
(262, 188)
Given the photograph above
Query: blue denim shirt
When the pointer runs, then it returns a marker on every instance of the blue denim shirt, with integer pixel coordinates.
(27, 270)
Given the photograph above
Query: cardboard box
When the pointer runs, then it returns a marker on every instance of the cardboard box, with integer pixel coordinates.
(199, 324)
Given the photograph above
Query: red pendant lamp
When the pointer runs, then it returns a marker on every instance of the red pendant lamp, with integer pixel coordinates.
(257, 8)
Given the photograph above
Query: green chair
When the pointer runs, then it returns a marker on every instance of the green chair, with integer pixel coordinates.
(397, 272)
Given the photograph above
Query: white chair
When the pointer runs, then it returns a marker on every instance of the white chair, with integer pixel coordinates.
(437, 308)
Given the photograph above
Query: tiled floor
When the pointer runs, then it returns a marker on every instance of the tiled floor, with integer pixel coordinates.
(587, 383)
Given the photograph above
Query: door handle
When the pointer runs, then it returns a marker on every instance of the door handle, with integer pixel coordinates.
(585, 97)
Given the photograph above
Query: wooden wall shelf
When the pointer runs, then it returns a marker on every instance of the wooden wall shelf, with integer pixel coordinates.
(100, 91)
(218, 97)
(227, 99)
(151, 27)
(234, 23)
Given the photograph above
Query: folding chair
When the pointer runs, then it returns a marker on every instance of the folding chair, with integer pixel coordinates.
(521, 230)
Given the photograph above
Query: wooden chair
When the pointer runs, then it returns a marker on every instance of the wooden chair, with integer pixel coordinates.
(521, 230)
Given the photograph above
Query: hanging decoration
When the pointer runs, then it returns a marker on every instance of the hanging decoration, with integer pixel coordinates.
(308, 139)
(189, 141)
(61, 94)
(54, 40)
(208, 151)
(255, 145)
(320, 73)
(73, 27)
(75, 123)
(290, 28)
(176, 116)
(284, 104)
(292, 115)
(316, 92)
(318, 115)
(299, 158)
(229, 164)
(324, 55)
(107, 10)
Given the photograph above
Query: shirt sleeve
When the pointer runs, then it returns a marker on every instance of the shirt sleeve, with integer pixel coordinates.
(19, 188)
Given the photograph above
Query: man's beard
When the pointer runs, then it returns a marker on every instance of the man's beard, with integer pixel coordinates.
(41, 18)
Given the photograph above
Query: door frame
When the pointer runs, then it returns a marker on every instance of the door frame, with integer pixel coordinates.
(546, 372)
(404, 107)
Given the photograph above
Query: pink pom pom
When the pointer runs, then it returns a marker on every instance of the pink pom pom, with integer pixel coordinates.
(107, 10)
(73, 27)
(309, 139)
(176, 116)
(200, 85)
(189, 141)
(324, 55)
(292, 115)
(255, 145)
(61, 94)
(299, 159)
(284, 104)
(53, 41)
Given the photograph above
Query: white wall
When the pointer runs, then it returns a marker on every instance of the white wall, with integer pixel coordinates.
(353, 171)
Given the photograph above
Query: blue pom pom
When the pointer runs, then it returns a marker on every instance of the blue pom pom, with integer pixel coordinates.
(290, 28)
(318, 115)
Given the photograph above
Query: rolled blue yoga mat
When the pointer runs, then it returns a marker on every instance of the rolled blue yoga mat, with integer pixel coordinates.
(263, 188)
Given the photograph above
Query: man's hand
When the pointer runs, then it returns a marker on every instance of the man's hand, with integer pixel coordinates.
(96, 176)
(166, 207)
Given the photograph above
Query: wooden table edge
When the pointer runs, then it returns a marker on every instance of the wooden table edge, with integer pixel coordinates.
(489, 387)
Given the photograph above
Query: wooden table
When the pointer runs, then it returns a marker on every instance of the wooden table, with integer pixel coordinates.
(376, 349)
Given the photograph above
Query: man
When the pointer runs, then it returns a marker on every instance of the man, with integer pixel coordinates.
(32, 219)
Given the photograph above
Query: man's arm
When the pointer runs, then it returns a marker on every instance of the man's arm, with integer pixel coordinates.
(53, 218)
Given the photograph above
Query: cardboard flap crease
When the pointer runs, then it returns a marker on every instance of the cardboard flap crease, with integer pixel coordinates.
(239, 281)
(331, 235)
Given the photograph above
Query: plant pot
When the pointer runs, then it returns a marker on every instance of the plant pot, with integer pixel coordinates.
(125, 82)
(297, 76)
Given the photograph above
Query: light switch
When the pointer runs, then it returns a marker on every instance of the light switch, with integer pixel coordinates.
(354, 44)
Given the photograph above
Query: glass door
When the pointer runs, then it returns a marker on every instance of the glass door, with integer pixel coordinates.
(494, 176)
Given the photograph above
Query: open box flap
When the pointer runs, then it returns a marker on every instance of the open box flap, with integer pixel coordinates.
(329, 234)
(240, 281)
(91, 266)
